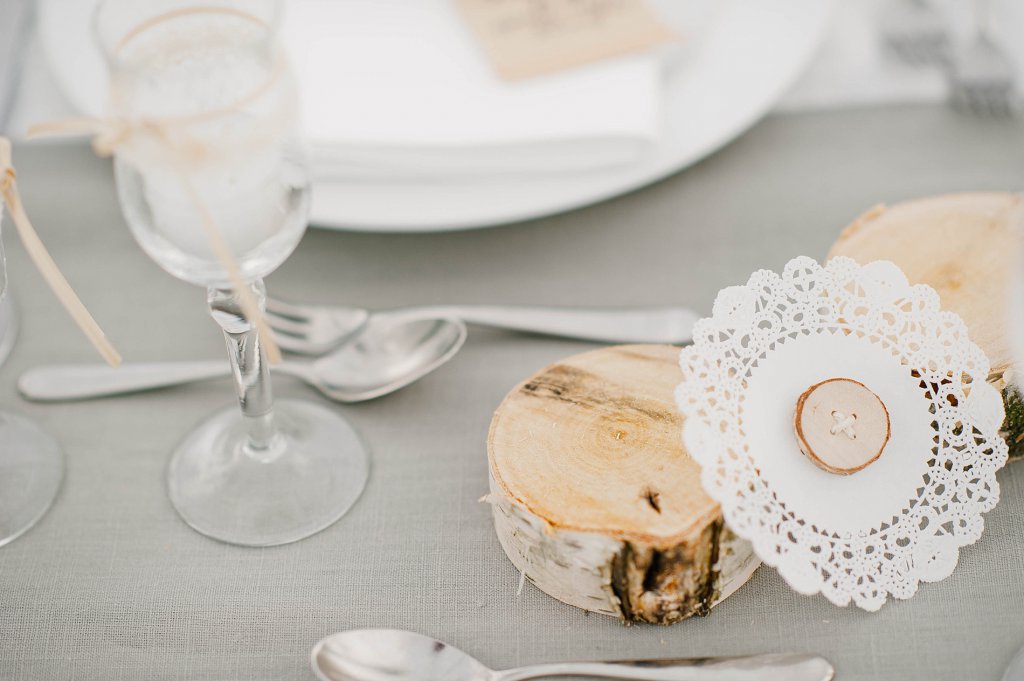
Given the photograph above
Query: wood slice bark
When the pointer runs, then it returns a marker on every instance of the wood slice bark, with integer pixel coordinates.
(965, 246)
(596, 500)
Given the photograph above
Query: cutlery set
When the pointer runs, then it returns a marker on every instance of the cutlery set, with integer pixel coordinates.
(353, 355)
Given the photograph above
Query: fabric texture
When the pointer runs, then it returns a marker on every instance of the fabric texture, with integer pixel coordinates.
(111, 585)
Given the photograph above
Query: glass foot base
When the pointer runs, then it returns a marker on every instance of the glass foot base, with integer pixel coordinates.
(31, 468)
(315, 474)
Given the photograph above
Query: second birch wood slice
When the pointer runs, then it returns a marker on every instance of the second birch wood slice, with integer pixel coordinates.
(965, 246)
(595, 499)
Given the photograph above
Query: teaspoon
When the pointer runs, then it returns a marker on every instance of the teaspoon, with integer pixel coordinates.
(381, 359)
(394, 655)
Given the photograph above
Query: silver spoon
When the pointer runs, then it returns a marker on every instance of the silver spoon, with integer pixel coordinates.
(383, 358)
(393, 655)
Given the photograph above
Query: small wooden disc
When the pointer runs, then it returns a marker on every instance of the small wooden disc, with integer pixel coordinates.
(841, 425)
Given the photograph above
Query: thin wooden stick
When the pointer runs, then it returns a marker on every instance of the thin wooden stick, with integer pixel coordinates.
(47, 267)
(65, 127)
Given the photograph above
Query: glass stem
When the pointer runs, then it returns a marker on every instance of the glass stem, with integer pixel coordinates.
(3, 266)
(250, 369)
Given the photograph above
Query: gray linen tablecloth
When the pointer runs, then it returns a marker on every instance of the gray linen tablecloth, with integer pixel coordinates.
(112, 585)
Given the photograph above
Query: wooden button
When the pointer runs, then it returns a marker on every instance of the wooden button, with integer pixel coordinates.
(841, 425)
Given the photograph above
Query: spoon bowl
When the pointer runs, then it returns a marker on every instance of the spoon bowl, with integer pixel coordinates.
(392, 655)
(385, 356)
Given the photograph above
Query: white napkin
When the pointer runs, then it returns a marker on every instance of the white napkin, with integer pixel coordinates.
(411, 94)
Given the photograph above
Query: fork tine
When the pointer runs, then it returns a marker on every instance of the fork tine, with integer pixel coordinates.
(293, 335)
(1008, 102)
(1003, 97)
(286, 324)
(979, 102)
(987, 101)
(281, 308)
(290, 343)
(989, 96)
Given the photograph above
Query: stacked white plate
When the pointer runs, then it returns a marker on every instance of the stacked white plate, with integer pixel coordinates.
(735, 60)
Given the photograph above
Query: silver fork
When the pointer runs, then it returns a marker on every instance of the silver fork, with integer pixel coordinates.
(317, 329)
(982, 78)
(915, 32)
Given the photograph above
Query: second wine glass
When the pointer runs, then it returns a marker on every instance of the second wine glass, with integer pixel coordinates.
(31, 461)
(210, 139)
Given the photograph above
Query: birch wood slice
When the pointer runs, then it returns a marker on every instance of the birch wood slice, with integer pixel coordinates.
(965, 246)
(595, 499)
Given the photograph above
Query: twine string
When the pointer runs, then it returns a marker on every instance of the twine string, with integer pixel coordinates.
(112, 133)
(843, 424)
(44, 262)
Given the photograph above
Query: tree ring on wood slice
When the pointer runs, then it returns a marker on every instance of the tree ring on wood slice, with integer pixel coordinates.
(965, 247)
(841, 425)
(596, 501)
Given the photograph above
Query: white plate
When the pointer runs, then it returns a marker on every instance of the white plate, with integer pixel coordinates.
(748, 57)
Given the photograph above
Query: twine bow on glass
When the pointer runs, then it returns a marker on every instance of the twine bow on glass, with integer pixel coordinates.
(182, 152)
(46, 265)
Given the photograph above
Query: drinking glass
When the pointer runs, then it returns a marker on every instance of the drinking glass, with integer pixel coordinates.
(31, 462)
(208, 111)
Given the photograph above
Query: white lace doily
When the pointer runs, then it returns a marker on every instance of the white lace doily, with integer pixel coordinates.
(902, 519)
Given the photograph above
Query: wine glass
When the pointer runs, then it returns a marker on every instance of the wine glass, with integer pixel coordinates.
(31, 461)
(208, 107)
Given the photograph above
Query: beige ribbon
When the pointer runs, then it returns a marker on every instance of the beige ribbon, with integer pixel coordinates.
(47, 267)
(843, 424)
(109, 134)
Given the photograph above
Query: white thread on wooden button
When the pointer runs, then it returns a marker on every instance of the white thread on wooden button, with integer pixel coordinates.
(841, 425)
